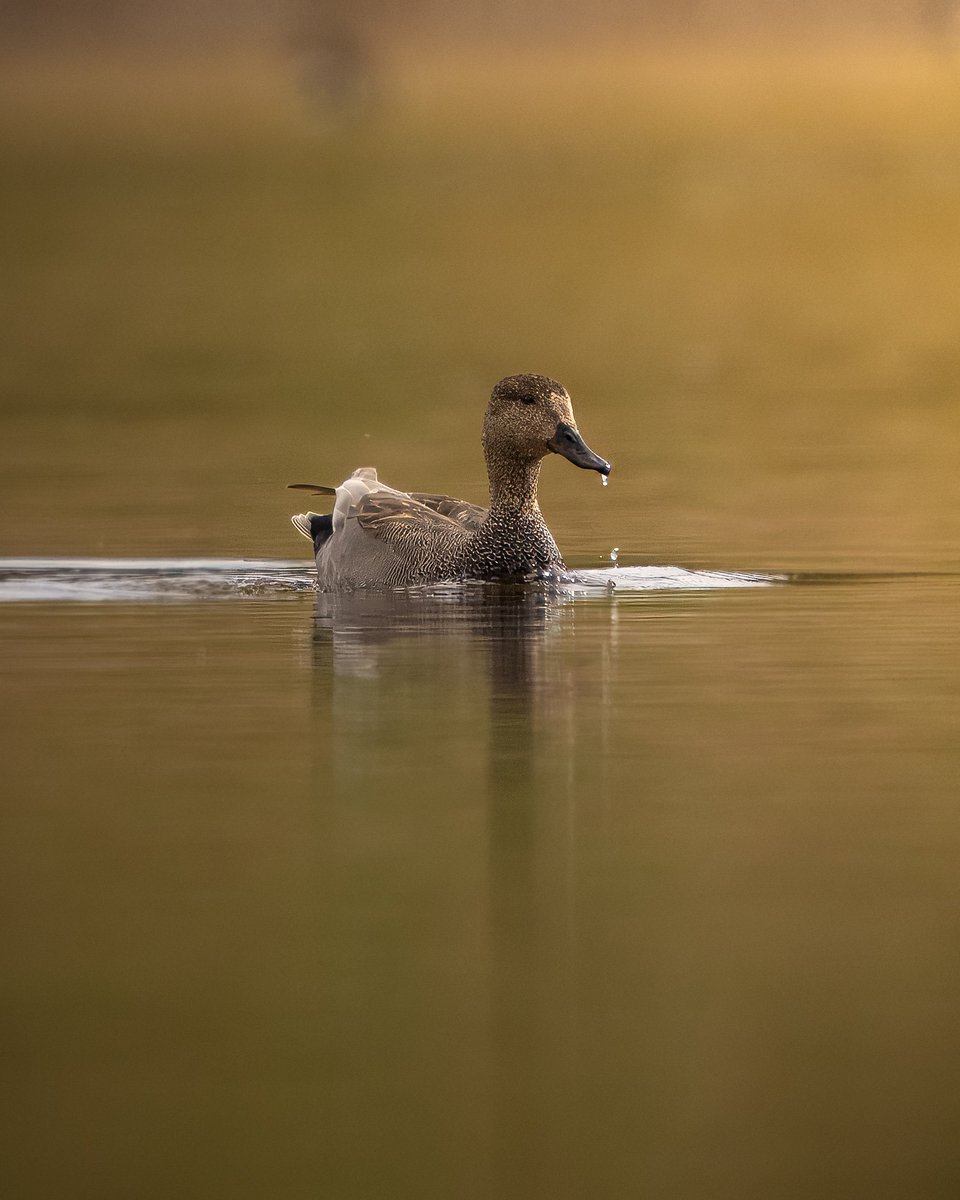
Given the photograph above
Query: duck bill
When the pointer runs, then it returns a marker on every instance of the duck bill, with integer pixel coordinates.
(568, 442)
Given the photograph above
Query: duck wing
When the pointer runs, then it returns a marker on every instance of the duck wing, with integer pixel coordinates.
(467, 515)
(398, 517)
(390, 539)
(377, 536)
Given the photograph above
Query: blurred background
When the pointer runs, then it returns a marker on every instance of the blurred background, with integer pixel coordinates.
(685, 923)
(253, 242)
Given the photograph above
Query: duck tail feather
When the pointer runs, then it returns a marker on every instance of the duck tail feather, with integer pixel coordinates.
(315, 489)
(314, 527)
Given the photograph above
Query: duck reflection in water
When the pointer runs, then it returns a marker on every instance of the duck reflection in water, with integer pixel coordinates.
(404, 682)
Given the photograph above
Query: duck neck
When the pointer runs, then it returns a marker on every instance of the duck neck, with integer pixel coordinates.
(513, 485)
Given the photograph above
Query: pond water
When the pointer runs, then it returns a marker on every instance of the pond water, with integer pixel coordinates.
(479, 892)
(646, 886)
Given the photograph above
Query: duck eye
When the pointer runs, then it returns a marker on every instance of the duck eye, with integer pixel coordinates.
(526, 398)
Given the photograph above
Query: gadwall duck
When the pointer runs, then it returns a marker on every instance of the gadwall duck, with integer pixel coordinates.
(379, 537)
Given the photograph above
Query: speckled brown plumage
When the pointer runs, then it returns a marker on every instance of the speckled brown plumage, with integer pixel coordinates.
(379, 537)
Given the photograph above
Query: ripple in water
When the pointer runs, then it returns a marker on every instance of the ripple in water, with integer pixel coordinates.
(158, 579)
(147, 579)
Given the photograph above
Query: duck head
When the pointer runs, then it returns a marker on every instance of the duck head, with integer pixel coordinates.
(530, 416)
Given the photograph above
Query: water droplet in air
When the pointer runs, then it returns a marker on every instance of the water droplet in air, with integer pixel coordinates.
(614, 554)
(603, 480)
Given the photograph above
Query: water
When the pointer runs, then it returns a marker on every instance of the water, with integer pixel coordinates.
(645, 885)
(479, 891)
(111, 580)
(108, 580)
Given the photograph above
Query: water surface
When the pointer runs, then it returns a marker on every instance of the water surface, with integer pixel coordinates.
(646, 890)
(484, 893)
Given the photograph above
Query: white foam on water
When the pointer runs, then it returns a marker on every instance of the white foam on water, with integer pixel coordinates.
(594, 580)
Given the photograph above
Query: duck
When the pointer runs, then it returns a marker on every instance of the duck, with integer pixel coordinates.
(381, 538)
